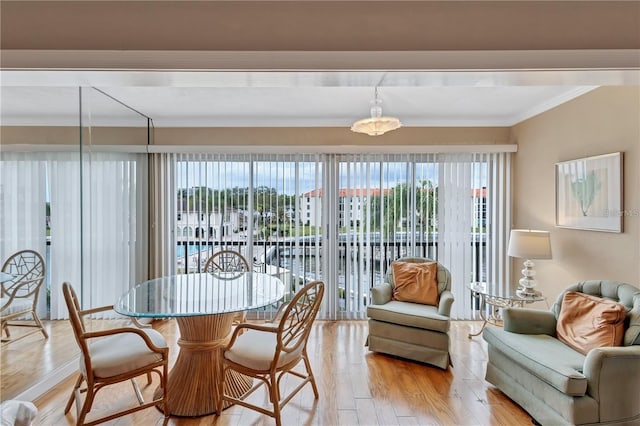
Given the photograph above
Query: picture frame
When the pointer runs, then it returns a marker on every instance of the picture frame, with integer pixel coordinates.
(589, 193)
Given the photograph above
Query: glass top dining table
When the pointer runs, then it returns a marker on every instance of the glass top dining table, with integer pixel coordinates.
(204, 306)
(200, 294)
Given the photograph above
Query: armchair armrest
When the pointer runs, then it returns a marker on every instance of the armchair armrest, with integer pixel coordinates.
(446, 300)
(529, 321)
(142, 334)
(242, 326)
(613, 379)
(381, 294)
(20, 290)
(96, 310)
(133, 320)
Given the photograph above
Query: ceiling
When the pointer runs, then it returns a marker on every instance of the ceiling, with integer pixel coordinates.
(282, 99)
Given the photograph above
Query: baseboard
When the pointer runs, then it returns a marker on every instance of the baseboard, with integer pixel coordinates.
(53, 378)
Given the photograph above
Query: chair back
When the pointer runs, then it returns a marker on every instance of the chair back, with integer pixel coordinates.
(226, 261)
(619, 292)
(295, 325)
(444, 276)
(29, 270)
(77, 324)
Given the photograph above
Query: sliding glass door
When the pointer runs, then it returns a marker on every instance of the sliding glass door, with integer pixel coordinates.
(252, 204)
(446, 207)
(342, 218)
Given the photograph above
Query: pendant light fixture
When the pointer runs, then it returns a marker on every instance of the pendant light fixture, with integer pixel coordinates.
(377, 124)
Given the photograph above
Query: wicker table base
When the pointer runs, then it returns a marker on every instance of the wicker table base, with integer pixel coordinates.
(193, 381)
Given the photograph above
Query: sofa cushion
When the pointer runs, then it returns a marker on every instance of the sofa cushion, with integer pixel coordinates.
(543, 356)
(620, 292)
(586, 322)
(415, 282)
(443, 275)
(410, 314)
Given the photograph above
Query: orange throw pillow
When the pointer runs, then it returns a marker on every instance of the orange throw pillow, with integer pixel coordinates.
(586, 322)
(415, 282)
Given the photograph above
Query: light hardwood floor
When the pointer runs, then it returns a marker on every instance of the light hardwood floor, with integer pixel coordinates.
(357, 387)
(28, 360)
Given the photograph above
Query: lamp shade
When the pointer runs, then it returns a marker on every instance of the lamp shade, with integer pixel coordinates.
(529, 244)
(376, 125)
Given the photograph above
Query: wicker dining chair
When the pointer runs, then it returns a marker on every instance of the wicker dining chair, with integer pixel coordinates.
(113, 356)
(268, 352)
(226, 262)
(19, 295)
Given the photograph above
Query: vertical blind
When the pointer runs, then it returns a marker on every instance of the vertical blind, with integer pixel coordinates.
(452, 208)
(23, 209)
(162, 218)
(65, 250)
(339, 218)
(108, 251)
(251, 204)
(344, 218)
(115, 240)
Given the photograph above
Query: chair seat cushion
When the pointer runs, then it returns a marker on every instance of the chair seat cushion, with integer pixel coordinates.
(16, 306)
(410, 314)
(544, 357)
(121, 353)
(256, 349)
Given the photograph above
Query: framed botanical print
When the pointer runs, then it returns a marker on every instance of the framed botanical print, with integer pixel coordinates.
(589, 193)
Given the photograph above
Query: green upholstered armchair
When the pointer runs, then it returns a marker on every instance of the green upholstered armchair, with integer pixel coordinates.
(557, 385)
(411, 330)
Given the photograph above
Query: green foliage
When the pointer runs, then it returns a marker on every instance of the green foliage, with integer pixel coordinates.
(289, 230)
(386, 211)
(208, 200)
(584, 191)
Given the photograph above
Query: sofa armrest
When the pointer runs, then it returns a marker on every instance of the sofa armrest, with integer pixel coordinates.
(446, 300)
(381, 294)
(529, 321)
(613, 379)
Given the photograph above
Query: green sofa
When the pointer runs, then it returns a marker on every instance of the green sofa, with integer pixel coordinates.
(411, 330)
(557, 385)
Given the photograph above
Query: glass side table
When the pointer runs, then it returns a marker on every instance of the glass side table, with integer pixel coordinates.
(479, 292)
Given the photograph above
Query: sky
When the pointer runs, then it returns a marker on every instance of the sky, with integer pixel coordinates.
(283, 175)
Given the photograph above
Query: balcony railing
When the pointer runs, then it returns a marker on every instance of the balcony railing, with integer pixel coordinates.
(283, 253)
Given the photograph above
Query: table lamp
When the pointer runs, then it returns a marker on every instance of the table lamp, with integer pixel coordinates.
(529, 244)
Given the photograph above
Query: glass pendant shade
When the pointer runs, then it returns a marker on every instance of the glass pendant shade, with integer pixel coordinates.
(377, 124)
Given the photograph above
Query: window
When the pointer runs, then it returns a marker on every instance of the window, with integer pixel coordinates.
(420, 205)
(384, 207)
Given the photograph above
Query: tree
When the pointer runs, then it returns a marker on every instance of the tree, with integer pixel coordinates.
(426, 204)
